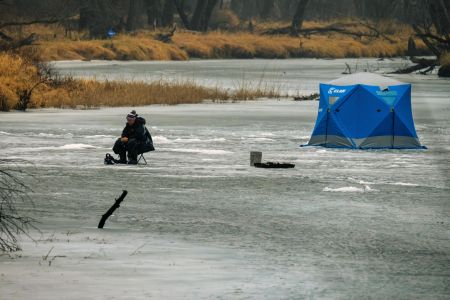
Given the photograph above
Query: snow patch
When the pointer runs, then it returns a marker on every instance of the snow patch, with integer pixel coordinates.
(404, 184)
(197, 140)
(201, 151)
(77, 147)
(266, 134)
(365, 182)
(52, 135)
(263, 140)
(99, 136)
(158, 139)
(350, 189)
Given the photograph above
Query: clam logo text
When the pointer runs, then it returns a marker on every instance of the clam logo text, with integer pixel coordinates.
(335, 91)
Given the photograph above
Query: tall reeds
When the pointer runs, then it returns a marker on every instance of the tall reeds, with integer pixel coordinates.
(17, 74)
(391, 40)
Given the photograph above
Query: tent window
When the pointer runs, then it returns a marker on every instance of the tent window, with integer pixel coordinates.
(333, 100)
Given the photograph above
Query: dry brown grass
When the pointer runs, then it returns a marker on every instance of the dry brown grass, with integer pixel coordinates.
(123, 47)
(17, 73)
(90, 93)
(217, 44)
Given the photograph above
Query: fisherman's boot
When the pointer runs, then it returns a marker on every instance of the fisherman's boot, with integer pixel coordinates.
(122, 159)
(119, 148)
(132, 159)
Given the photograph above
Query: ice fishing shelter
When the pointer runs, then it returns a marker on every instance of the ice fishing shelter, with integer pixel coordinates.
(365, 111)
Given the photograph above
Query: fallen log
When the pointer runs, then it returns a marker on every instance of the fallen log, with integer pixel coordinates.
(429, 70)
(274, 165)
(13, 45)
(410, 69)
(5, 37)
(110, 211)
(328, 29)
(420, 64)
(166, 37)
(315, 30)
(314, 96)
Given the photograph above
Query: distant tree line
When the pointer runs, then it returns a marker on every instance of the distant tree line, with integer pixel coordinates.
(430, 18)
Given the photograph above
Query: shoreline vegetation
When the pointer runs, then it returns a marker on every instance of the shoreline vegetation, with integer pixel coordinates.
(25, 83)
(390, 39)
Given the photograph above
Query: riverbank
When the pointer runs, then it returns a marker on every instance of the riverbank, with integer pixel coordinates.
(388, 40)
(21, 76)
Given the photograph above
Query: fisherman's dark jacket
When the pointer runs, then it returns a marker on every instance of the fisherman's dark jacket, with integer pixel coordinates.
(140, 134)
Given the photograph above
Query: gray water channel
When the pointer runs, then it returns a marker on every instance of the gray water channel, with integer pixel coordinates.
(343, 224)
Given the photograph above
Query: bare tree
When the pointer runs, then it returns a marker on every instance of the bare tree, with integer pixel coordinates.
(168, 12)
(132, 15)
(207, 14)
(267, 8)
(432, 24)
(154, 12)
(12, 223)
(201, 15)
(98, 16)
(198, 14)
(297, 20)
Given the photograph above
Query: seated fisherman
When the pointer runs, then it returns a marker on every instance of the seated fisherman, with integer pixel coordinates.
(135, 140)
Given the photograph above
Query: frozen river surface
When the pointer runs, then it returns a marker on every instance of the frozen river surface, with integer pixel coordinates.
(200, 223)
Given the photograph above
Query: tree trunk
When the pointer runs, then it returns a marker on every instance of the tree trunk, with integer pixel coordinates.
(168, 11)
(197, 17)
(3, 103)
(207, 14)
(97, 16)
(249, 9)
(267, 9)
(179, 4)
(297, 21)
(132, 15)
(363, 8)
(440, 16)
(236, 7)
(154, 12)
(84, 15)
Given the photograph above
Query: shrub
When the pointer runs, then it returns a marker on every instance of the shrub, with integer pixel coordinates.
(18, 78)
(12, 222)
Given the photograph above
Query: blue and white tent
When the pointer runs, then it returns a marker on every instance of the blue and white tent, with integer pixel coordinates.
(365, 111)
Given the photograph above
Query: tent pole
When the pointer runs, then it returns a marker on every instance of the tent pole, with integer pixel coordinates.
(393, 127)
(326, 128)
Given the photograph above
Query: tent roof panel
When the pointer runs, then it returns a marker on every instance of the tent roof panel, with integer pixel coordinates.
(367, 79)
